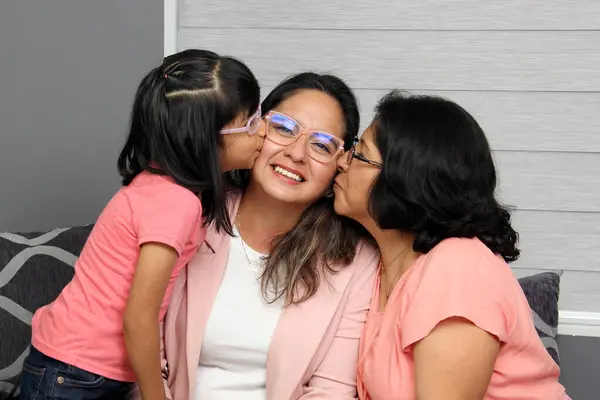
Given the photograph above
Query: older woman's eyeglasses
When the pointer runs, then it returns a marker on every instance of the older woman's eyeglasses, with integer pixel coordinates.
(353, 154)
(322, 147)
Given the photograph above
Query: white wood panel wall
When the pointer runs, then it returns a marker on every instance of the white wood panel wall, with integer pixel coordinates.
(528, 70)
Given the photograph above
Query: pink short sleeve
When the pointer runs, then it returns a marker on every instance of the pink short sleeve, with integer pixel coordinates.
(168, 216)
(460, 278)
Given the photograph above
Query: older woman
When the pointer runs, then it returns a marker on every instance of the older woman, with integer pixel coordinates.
(448, 320)
(276, 311)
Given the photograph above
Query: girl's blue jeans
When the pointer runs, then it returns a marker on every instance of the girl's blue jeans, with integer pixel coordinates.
(45, 378)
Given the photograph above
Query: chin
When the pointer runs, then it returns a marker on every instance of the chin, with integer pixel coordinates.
(282, 194)
(339, 207)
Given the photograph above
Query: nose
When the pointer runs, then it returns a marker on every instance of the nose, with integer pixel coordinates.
(297, 150)
(342, 162)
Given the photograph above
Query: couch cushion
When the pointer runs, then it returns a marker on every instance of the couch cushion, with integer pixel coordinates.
(542, 292)
(34, 268)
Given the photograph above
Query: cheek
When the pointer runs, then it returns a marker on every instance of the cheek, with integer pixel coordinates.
(249, 143)
(225, 143)
(265, 157)
(360, 189)
(267, 152)
(323, 174)
(238, 148)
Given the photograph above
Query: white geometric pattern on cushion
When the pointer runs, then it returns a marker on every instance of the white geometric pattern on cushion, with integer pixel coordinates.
(34, 268)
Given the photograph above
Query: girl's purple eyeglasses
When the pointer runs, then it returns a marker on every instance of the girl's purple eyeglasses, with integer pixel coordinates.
(251, 126)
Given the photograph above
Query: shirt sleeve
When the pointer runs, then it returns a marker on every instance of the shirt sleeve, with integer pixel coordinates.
(461, 278)
(169, 217)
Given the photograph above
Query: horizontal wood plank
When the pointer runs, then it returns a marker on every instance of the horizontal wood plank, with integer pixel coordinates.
(549, 181)
(532, 121)
(498, 61)
(558, 240)
(579, 291)
(393, 14)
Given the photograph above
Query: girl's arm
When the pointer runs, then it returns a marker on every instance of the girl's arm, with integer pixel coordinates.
(141, 318)
(455, 362)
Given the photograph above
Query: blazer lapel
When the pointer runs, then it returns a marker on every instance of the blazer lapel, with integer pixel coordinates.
(299, 332)
(204, 276)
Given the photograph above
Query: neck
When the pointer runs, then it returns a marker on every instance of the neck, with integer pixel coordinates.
(260, 218)
(397, 254)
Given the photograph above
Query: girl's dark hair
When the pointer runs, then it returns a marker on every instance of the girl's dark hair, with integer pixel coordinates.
(178, 112)
(321, 239)
(438, 178)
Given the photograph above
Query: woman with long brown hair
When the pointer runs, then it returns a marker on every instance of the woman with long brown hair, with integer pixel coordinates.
(276, 311)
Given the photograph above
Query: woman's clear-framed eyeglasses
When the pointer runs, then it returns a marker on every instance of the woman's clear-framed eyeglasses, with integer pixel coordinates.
(251, 126)
(322, 147)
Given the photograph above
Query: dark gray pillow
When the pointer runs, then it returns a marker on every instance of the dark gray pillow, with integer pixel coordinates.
(34, 268)
(542, 292)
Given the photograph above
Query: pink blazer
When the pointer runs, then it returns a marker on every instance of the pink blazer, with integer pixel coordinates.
(314, 350)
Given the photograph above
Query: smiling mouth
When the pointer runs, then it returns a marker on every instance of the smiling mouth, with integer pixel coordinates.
(287, 174)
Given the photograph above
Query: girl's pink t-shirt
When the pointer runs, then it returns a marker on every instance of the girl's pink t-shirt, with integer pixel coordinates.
(458, 278)
(84, 325)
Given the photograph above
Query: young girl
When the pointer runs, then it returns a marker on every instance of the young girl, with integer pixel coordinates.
(102, 333)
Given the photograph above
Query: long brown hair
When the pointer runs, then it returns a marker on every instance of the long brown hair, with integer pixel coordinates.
(321, 241)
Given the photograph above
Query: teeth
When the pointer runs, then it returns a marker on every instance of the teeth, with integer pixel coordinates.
(287, 173)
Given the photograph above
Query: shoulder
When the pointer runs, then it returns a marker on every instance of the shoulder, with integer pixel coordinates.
(367, 256)
(461, 272)
(466, 265)
(365, 261)
(459, 277)
(466, 247)
(355, 283)
(364, 266)
(148, 187)
(233, 197)
(462, 254)
(358, 275)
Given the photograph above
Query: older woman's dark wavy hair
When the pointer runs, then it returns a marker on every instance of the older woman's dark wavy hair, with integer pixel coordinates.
(438, 178)
(178, 112)
(321, 239)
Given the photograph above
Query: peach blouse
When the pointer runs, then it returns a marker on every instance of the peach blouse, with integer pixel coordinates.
(458, 278)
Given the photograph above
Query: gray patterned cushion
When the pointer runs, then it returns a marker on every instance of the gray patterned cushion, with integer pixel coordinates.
(34, 268)
(542, 292)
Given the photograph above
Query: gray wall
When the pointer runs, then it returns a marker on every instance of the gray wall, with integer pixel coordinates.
(68, 73)
(527, 70)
